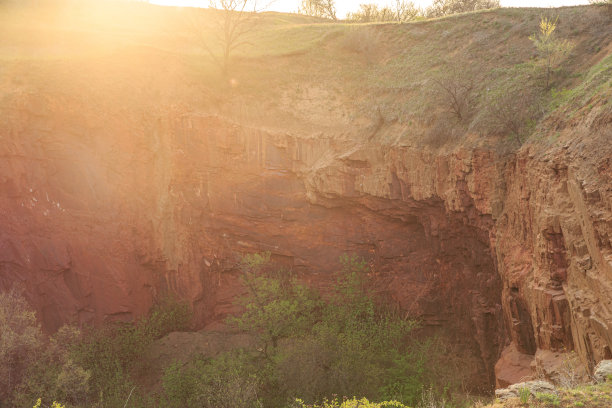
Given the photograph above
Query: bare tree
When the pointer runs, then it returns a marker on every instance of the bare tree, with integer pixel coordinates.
(514, 111)
(406, 11)
(447, 7)
(319, 8)
(369, 12)
(230, 25)
(457, 89)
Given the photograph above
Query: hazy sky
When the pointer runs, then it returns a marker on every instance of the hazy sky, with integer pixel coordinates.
(344, 6)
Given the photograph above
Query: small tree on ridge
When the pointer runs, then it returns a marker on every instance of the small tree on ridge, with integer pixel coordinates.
(447, 7)
(319, 8)
(551, 50)
(236, 19)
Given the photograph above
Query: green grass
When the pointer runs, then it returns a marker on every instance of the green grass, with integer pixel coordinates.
(293, 60)
(289, 39)
(586, 395)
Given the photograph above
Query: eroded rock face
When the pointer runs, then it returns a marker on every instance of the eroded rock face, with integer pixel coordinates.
(554, 249)
(533, 387)
(101, 217)
(513, 367)
(603, 371)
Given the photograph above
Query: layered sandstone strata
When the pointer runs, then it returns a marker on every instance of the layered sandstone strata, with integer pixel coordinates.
(102, 215)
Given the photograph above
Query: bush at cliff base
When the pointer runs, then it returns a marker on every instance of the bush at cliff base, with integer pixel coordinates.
(349, 403)
(76, 369)
(311, 346)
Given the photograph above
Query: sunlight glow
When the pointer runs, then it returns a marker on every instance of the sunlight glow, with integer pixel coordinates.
(345, 6)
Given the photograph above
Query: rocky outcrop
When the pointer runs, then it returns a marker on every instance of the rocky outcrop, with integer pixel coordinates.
(530, 387)
(97, 225)
(100, 217)
(98, 221)
(553, 248)
(603, 371)
(513, 367)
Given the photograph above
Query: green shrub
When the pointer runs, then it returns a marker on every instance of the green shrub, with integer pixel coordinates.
(42, 376)
(54, 404)
(349, 403)
(73, 382)
(32, 366)
(166, 316)
(73, 368)
(524, 394)
(548, 399)
(346, 344)
(429, 399)
(108, 353)
(310, 346)
(20, 340)
(180, 385)
(231, 380)
(276, 306)
(111, 352)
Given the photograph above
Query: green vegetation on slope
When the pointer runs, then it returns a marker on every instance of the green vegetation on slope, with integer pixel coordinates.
(309, 345)
(299, 73)
(581, 396)
(90, 369)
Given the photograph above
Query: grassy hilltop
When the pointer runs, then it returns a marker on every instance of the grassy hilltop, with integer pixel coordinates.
(305, 75)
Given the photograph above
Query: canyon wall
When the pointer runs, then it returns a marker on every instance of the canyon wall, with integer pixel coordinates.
(511, 254)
